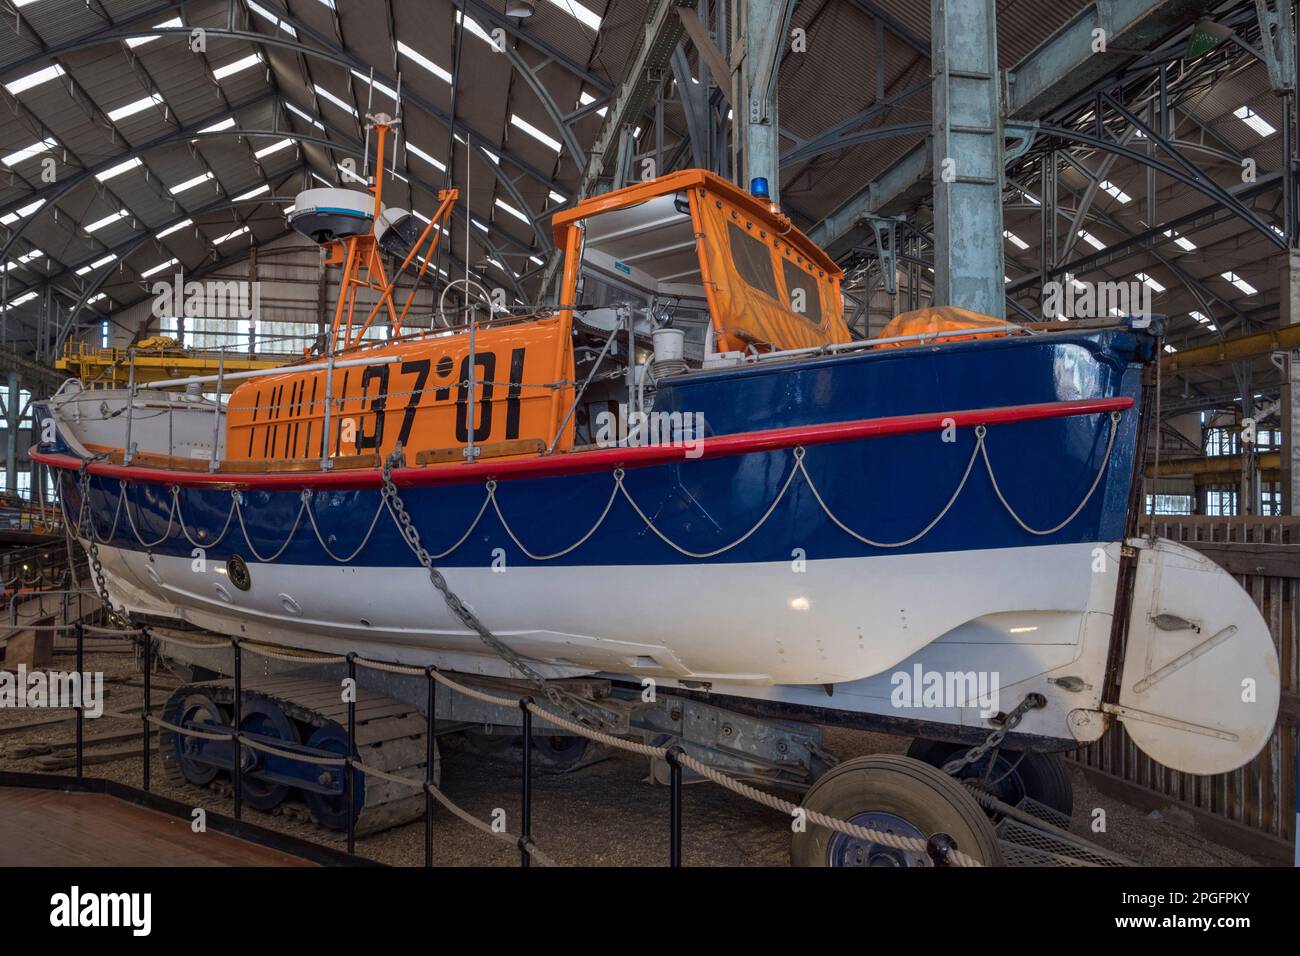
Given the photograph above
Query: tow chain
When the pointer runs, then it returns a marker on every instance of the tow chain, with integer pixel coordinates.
(566, 702)
(92, 547)
(994, 740)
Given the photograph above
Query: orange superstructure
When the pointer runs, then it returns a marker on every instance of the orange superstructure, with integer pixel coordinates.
(768, 285)
(421, 397)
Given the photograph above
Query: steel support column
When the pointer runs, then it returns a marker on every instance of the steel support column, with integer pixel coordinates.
(1289, 287)
(766, 25)
(968, 157)
(13, 408)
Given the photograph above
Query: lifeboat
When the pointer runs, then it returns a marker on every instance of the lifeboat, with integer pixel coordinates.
(685, 469)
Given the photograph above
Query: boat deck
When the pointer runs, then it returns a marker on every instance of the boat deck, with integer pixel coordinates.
(41, 827)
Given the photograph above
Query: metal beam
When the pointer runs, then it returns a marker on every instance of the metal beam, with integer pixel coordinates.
(897, 190)
(1069, 62)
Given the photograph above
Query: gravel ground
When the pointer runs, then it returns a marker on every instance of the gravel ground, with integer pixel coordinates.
(604, 814)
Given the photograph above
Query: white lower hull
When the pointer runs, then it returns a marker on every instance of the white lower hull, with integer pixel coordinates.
(832, 622)
(849, 635)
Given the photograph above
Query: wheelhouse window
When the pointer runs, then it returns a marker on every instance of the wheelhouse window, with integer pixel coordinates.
(753, 261)
(803, 292)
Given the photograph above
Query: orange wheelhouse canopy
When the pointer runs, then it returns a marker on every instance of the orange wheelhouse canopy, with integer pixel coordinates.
(768, 286)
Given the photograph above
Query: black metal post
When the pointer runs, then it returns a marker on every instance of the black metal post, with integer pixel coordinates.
(350, 770)
(674, 808)
(81, 708)
(238, 772)
(526, 795)
(428, 766)
(145, 714)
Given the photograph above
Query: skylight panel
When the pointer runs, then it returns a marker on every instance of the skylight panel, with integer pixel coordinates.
(255, 191)
(27, 152)
(190, 183)
(1204, 320)
(472, 26)
(106, 221)
(1115, 191)
(243, 63)
(8, 219)
(1155, 285)
(579, 13)
(24, 83)
(97, 264)
(1015, 240)
(230, 235)
(226, 123)
(1091, 240)
(21, 300)
(130, 109)
(303, 115)
(586, 99)
(557, 198)
(158, 268)
(382, 88)
(419, 59)
(1256, 122)
(1181, 241)
(351, 175)
(534, 132)
(1239, 282)
(321, 91)
(273, 148)
(501, 204)
(421, 154)
(273, 18)
(141, 41)
(119, 169)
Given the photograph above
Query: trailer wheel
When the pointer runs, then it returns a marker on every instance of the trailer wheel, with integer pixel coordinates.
(560, 752)
(262, 716)
(1041, 777)
(896, 795)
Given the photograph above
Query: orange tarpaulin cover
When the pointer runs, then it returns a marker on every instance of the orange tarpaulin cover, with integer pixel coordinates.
(941, 318)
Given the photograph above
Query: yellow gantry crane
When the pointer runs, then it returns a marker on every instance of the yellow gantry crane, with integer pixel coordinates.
(156, 359)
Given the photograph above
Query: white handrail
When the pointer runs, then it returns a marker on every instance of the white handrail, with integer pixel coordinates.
(279, 370)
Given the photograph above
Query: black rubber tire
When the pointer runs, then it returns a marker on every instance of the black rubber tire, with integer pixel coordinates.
(559, 753)
(928, 798)
(1042, 777)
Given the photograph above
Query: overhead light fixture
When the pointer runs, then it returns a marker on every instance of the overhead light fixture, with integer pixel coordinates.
(520, 9)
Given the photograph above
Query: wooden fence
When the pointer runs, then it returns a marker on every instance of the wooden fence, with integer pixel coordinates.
(1258, 800)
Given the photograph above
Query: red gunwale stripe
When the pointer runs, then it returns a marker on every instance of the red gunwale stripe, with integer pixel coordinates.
(605, 459)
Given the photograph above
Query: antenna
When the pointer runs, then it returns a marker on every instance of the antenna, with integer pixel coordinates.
(365, 153)
(397, 122)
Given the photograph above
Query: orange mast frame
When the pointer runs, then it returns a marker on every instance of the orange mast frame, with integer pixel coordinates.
(362, 259)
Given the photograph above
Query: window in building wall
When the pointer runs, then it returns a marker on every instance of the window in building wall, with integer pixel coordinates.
(1268, 439)
(1169, 504)
(1221, 502)
(1270, 504)
(103, 334)
(1222, 441)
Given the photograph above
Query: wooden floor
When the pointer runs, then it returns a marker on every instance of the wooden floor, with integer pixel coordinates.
(53, 828)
